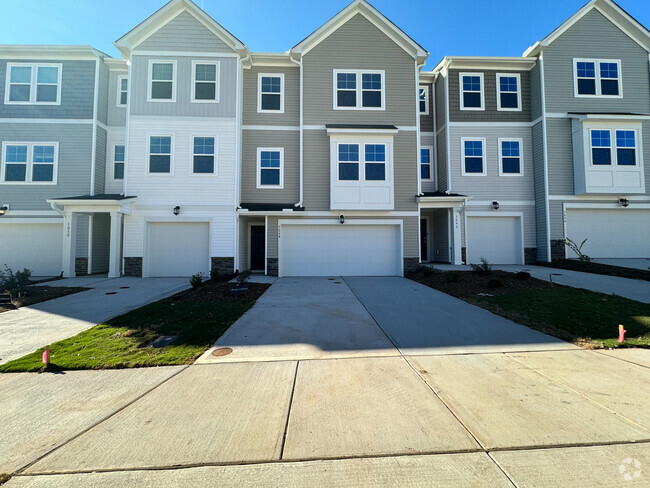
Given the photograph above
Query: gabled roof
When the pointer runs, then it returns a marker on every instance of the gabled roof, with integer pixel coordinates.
(610, 9)
(375, 17)
(149, 26)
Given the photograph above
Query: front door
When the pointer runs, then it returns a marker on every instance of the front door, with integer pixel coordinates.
(424, 243)
(257, 248)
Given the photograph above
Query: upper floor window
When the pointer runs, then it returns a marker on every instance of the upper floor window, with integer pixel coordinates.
(29, 163)
(160, 154)
(205, 82)
(162, 81)
(122, 90)
(203, 155)
(270, 163)
(355, 164)
(425, 164)
(33, 83)
(510, 157)
(423, 100)
(626, 147)
(118, 162)
(602, 152)
(471, 91)
(601, 147)
(359, 90)
(597, 78)
(508, 92)
(270, 93)
(473, 159)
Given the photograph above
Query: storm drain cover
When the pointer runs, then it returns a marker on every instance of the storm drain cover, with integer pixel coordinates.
(111, 293)
(222, 351)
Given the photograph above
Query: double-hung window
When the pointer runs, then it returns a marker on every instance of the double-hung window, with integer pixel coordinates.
(508, 92)
(510, 157)
(425, 164)
(597, 78)
(33, 84)
(361, 162)
(604, 153)
(473, 158)
(471, 91)
(348, 162)
(203, 154)
(423, 100)
(162, 81)
(29, 163)
(122, 90)
(118, 162)
(205, 82)
(626, 147)
(601, 147)
(270, 167)
(160, 154)
(270, 93)
(375, 162)
(359, 89)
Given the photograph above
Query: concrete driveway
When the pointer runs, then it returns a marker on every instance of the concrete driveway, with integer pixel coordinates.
(355, 382)
(26, 329)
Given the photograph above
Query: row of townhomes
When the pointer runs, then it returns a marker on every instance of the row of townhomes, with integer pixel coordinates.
(339, 156)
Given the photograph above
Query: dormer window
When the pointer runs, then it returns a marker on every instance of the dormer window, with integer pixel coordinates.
(597, 78)
(359, 90)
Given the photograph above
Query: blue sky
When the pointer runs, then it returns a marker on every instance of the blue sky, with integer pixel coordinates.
(469, 27)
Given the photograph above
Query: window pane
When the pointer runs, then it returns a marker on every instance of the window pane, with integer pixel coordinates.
(160, 144)
(270, 159)
(270, 102)
(510, 149)
(424, 156)
(625, 138)
(375, 152)
(348, 171)
(423, 94)
(586, 87)
(473, 165)
(43, 154)
(346, 99)
(21, 74)
(47, 75)
(601, 156)
(608, 70)
(46, 93)
(162, 71)
(472, 100)
(19, 93)
(205, 91)
(371, 81)
(600, 138)
(43, 172)
(471, 83)
(375, 171)
(586, 70)
(204, 164)
(270, 177)
(511, 165)
(473, 148)
(609, 87)
(124, 84)
(16, 154)
(123, 96)
(118, 171)
(348, 152)
(509, 100)
(159, 163)
(508, 84)
(626, 157)
(425, 171)
(371, 99)
(423, 106)
(346, 81)
(204, 145)
(206, 72)
(119, 153)
(161, 90)
(270, 84)
(15, 172)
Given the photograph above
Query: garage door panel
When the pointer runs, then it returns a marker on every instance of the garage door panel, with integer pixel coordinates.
(38, 247)
(497, 239)
(178, 249)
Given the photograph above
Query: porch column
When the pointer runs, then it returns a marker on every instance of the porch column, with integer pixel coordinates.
(69, 244)
(457, 253)
(115, 257)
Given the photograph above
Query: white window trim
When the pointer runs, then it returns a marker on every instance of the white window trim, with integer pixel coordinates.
(29, 163)
(359, 90)
(461, 91)
(33, 83)
(613, 148)
(120, 91)
(259, 168)
(115, 162)
(521, 156)
(431, 170)
(215, 171)
(171, 155)
(150, 80)
(362, 163)
(217, 81)
(462, 156)
(259, 93)
(426, 99)
(597, 79)
(508, 75)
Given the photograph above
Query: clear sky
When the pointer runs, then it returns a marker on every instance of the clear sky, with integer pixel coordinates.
(443, 27)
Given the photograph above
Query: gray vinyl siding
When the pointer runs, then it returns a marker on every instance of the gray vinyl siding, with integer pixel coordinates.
(492, 186)
(490, 114)
(536, 92)
(291, 115)
(540, 197)
(100, 162)
(116, 115)
(184, 33)
(560, 156)
(183, 105)
(557, 220)
(272, 238)
(442, 159)
(74, 163)
(441, 106)
(440, 234)
(81, 241)
(102, 94)
(101, 242)
(594, 36)
(411, 237)
(426, 121)
(77, 93)
(290, 141)
(243, 243)
(358, 44)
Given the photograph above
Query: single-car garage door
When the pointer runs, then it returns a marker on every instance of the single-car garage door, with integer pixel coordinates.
(610, 233)
(178, 249)
(38, 247)
(497, 239)
(350, 250)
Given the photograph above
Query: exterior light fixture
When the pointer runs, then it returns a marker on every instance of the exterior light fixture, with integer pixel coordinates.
(624, 202)
(342, 219)
(3, 209)
(177, 210)
(495, 205)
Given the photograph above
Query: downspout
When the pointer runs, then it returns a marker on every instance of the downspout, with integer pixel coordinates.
(435, 132)
(238, 149)
(447, 130)
(417, 124)
(544, 131)
(127, 119)
(299, 63)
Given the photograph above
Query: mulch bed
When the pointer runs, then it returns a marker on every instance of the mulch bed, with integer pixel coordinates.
(598, 268)
(38, 294)
(218, 290)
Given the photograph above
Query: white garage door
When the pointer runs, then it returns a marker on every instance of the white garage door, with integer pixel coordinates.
(497, 239)
(615, 233)
(178, 249)
(38, 247)
(350, 250)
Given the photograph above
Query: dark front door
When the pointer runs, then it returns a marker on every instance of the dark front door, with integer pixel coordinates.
(257, 248)
(424, 247)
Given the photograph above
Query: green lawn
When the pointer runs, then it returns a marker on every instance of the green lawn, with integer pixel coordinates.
(122, 342)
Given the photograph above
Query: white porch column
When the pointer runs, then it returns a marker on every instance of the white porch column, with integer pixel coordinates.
(457, 253)
(115, 241)
(69, 244)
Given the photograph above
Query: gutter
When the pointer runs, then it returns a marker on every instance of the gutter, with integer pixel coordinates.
(299, 63)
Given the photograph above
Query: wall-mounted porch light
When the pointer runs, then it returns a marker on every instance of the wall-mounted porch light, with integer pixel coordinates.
(3, 209)
(624, 202)
(177, 210)
(495, 205)
(342, 219)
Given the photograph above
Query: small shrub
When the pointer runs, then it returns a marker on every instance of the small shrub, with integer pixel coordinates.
(495, 283)
(15, 283)
(582, 257)
(522, 275)
(196, 280)
(452, 277)
(243, 276)
(484, 268)
(214, 274)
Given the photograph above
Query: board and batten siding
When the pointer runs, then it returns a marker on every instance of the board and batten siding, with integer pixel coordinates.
(184, 33)
(291, 115)
(426, 121)
(183, 106)
(115, 136)
(290, 141)
(77, 92)
(490, 114)
(116, 115)
(358, 45)
(560, 156)
(540, 194)
(74, 163)
(595, 36)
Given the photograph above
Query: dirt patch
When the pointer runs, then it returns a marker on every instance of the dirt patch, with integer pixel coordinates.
(598, 268)
(218, 290)
(38, 294)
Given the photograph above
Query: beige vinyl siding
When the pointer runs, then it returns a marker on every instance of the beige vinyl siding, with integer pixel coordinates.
(184, 33)
(439, 235)
(490, 114)
(290, 141)
(411, 237)
(560, 156)
(442, 159)
(358, 44)
(441, 106)
(426, 121)
(536, 92)
(272, 238)
(540, 196)
(116, 115)
(594, 36)
(406, 170)
(100, 162)
(291, 115)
